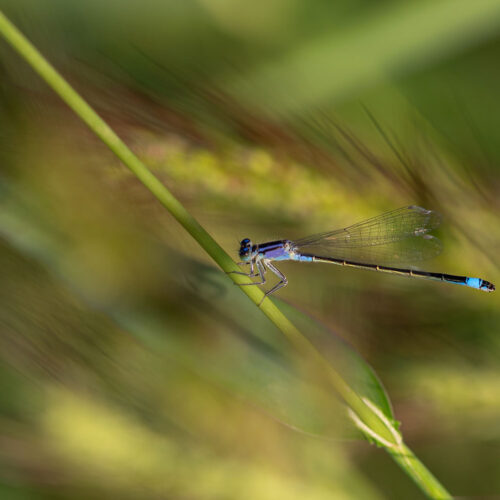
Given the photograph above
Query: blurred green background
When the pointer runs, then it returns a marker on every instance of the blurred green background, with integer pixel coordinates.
(129, 366)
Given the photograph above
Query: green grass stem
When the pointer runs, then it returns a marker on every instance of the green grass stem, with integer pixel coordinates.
(378, 428)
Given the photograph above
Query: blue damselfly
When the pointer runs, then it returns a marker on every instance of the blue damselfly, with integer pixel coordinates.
(396, 237)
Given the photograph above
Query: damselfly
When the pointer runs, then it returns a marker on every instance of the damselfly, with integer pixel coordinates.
(396, 237)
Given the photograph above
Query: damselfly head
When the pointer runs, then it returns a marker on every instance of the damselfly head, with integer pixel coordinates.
(245, 249)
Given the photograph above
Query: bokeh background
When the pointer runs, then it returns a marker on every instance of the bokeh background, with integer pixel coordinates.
(130, 367)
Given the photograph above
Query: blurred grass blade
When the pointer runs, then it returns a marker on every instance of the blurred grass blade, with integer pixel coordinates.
(390, 43)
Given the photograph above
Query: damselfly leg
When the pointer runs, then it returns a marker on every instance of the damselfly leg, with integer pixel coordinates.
(260, 272)
(283, 281)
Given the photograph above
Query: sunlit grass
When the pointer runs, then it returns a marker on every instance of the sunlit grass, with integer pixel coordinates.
(119, 453)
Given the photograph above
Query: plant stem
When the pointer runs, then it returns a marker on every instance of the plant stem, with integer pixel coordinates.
(418, 472)
(370, 419)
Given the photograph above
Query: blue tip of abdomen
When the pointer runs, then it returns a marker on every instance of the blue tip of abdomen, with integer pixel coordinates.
(480, 284)
(474, 282)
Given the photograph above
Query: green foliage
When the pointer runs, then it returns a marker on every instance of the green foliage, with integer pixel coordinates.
(128, 357)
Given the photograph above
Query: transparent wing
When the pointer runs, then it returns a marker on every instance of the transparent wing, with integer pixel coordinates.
(397, 252)
(394, 237)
